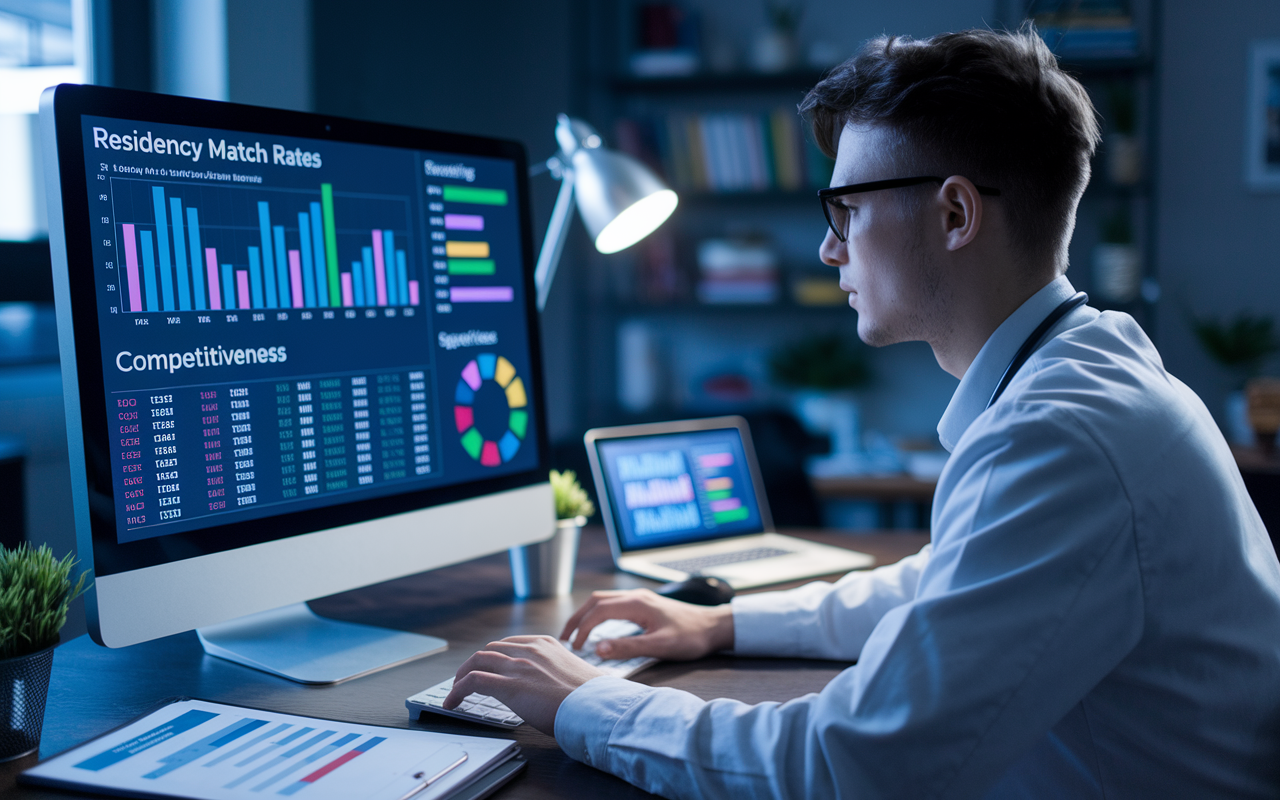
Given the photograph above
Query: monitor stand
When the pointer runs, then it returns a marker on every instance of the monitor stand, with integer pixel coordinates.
(295, 643)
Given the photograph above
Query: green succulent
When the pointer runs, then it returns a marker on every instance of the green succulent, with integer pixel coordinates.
(821, 362)
(35, 592)
(571, 499)
(1241, 344)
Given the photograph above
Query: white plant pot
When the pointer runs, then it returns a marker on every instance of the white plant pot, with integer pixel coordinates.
(1117, 272)
(834, 414)
(1124, 159)
(773, 51)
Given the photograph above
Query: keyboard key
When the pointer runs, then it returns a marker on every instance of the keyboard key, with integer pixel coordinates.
(696, 565)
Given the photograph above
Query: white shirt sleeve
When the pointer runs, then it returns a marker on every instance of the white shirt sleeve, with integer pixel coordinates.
(824, 620)
(1031, 595)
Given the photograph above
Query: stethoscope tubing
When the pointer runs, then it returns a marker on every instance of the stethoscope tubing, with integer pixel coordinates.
(1033, 341)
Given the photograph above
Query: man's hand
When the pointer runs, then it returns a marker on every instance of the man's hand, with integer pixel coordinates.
(531, 675)
(672, 630)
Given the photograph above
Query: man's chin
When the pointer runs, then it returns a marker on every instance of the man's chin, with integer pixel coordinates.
(874, 336)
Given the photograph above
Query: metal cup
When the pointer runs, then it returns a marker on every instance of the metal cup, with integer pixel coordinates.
(545, 569)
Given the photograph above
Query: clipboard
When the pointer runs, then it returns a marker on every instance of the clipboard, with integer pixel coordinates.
(199, 750)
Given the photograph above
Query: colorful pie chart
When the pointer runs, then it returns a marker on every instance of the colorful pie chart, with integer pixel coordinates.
(495, 368)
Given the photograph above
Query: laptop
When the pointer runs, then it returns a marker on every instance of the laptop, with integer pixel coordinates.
(685, 498)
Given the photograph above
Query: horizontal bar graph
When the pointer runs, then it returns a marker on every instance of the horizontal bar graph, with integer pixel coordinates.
(476, 195)
(454, 249)
(481, 294)
(286, 267)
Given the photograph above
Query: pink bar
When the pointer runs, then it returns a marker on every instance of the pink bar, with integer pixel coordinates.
(481, 294)
(413, 293)
(242, 288)
(463, 222)
(131, 264)
(379, 269)
(215, 290)
(295, 277)
(347, 299)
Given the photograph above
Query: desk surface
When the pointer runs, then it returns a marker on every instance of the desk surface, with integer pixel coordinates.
(95, 689)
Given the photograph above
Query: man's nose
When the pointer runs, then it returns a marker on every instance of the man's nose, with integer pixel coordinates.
(832, 251)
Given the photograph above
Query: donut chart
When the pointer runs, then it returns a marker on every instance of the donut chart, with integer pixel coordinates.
(495, 368)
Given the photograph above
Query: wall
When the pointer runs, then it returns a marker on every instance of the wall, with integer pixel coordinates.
(1217, 240)
(501, 69)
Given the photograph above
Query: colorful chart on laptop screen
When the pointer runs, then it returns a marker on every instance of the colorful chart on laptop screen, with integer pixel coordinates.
(490, 409)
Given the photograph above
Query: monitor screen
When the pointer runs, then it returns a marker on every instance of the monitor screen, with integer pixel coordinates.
(680, 487)
(295, 333)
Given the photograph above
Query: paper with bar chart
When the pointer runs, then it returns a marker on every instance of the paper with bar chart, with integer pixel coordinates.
(284, 321)
(197, 749)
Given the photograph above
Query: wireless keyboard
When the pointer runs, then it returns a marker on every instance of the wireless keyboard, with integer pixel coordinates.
(488, 711)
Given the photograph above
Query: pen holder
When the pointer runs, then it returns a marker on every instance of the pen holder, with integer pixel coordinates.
(545, 569)
(24, 687)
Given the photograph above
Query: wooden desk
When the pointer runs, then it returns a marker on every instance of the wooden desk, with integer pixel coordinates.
(95, 689)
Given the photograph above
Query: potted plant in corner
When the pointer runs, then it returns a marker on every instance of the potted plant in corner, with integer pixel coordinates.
(545, 569)
(1241, 346)
(35, 592)
(824, 373)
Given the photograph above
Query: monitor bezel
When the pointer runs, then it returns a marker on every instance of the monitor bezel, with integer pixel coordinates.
(69, 103)
(608, 508)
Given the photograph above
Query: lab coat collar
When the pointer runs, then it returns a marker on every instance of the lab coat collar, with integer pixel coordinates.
(974, 391)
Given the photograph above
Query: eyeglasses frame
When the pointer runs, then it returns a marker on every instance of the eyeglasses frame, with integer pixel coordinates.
(826, 195)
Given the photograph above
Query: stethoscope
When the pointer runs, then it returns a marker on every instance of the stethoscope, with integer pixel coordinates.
(1029, 346)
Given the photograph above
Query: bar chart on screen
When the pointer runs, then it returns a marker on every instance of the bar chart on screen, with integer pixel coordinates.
(202, 247)
(466, 270)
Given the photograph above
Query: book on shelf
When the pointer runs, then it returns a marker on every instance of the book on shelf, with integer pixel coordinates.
(737, 272)
(727, 152)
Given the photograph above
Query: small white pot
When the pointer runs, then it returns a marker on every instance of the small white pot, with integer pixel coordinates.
(1117, 272)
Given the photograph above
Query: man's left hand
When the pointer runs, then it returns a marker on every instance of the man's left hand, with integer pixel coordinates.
(531, 675)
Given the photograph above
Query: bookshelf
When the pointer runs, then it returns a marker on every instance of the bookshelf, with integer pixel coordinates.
(644, 305)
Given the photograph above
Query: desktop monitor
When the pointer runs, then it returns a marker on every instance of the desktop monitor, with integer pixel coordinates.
(300, 355)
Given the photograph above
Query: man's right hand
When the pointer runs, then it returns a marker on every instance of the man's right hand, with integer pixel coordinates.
(673, 630)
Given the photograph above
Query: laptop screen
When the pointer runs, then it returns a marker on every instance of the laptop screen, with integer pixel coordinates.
(675, 488)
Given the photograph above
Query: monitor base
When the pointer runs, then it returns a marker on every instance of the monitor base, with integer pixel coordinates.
(294, 642)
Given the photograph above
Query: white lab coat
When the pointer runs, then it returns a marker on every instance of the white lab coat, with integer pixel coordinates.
(1098, 614)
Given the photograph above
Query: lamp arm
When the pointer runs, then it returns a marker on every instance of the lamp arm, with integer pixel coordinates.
(553, 243)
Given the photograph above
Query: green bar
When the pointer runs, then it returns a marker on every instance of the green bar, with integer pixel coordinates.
(471, 266)
(732, 516)
(468, 194)
(330, 244)
(723, 494)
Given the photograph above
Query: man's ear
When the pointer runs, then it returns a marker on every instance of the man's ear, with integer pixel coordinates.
(961, 211)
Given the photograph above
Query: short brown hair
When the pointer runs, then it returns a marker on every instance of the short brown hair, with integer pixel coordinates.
(992, 106)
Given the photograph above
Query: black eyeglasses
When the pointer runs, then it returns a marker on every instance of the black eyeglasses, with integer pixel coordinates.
(837, 214)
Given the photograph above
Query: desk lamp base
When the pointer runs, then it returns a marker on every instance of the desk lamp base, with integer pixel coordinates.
(295, 643)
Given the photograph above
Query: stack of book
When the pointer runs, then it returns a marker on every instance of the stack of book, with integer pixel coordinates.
(1083, 30)
(722, 152)
(737, 272)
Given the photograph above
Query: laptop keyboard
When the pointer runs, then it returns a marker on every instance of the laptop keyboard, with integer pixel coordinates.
(694, 566)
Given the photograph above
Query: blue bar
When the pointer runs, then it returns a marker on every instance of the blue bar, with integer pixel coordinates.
(206, 745)
(197, 258)
(228, 287)
(317, 247)
(162, 240)
(369, 290)
(146, 740)
(264, 227)
(389, 260)
(282, 260)
(253, 773)
(180, 255)
(403, 276)
(274, 746)
(308, 277)
(149, 269)
(255, 279)
(357, 283)
(281, 728)
(301, 763)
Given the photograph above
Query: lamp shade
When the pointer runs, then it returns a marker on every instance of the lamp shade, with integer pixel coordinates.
(621, 201)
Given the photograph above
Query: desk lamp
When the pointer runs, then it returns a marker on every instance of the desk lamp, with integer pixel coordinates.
(621, 201)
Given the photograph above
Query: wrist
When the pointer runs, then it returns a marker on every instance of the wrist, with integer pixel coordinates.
(721, 630)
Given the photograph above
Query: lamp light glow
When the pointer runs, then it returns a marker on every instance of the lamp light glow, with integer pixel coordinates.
(637, 221)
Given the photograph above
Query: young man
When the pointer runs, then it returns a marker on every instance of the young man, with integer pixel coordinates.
(1098, 614)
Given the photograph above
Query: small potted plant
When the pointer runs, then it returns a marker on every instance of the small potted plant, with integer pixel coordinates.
(1124, 150)
(824, 373)
(35, 592)
(1241, 346)
(1117, 265)
(545, 569)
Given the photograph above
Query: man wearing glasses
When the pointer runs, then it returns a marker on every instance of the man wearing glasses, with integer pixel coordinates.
(1098, 614)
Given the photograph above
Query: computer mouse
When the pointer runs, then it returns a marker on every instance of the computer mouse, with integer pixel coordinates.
(702, 590)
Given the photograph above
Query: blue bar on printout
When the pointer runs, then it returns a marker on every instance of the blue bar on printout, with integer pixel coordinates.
(147, 740)
(205, 746)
